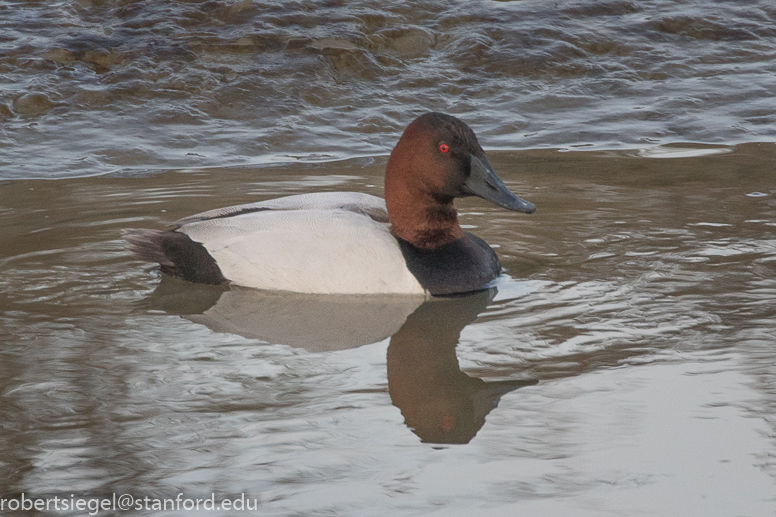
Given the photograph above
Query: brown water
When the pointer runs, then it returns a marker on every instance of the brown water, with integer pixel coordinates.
(626, 365)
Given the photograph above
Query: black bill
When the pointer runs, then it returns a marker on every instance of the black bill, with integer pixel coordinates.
(484, 183)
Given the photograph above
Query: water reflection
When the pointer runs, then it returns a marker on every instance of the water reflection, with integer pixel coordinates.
(440, 403)
(317, 323)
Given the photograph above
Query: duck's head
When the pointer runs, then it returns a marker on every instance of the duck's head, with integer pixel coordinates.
(437, 159)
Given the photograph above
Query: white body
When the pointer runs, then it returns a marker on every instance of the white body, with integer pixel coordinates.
(326, 243)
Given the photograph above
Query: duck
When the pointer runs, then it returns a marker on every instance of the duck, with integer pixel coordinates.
(349, 242)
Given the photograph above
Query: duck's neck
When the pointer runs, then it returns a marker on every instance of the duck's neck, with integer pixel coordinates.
(422, 220)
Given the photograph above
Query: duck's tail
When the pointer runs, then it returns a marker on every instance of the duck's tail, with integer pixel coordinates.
(176, 253)
(146, 245)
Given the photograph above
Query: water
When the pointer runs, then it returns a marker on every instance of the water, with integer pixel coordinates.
(624, 365)
(627, 360)
(89, 87)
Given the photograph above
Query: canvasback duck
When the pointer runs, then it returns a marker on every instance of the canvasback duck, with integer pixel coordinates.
(347, 242)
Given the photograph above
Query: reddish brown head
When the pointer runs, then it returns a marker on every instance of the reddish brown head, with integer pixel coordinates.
(436, 160)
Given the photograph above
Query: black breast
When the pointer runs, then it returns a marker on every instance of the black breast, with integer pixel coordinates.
(461, 266)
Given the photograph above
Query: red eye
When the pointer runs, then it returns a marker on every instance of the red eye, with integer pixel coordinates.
(444, 148)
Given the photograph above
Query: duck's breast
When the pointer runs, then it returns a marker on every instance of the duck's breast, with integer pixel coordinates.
(304, 250)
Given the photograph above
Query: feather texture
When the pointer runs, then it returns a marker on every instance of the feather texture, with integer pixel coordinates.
(313, 243)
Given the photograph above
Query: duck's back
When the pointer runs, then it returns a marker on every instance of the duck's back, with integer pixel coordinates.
(312, 243)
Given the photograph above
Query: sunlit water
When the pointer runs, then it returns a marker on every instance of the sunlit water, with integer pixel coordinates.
(624, 365)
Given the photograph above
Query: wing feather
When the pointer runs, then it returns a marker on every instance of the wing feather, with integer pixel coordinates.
(306, 250)
(357, 202)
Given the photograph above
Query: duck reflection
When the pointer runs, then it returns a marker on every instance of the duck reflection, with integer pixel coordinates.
(315, 322)
(439, 402)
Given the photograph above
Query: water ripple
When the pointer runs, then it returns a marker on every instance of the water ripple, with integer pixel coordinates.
(94, 87)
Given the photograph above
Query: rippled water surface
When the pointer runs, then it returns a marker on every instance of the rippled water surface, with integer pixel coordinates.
(94, 86)
(625, 365)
